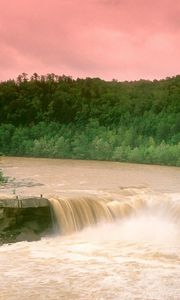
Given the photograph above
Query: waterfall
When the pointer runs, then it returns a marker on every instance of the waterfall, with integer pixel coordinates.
(74, 214)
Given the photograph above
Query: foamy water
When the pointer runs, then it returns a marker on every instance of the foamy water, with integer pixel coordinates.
(134, 257)
(137, 258)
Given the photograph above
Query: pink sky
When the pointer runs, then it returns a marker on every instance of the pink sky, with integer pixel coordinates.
(122, 39)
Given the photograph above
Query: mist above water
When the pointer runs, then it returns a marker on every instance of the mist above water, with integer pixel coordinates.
(142, 228)
(138, 220)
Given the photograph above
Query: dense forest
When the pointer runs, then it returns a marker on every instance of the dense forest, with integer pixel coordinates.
(57, 116)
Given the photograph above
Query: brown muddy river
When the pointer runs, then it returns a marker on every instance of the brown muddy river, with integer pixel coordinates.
(132, 253)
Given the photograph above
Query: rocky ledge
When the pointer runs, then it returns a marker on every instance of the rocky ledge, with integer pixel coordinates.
(24, 219)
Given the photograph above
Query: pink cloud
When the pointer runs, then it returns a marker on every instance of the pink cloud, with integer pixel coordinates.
(123, 39)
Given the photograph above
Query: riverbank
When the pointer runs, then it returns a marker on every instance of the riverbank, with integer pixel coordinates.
(124, 143)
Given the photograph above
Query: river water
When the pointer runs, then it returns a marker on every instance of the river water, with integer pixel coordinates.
(132, 253)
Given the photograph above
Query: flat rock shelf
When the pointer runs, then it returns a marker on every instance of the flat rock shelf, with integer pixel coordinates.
(25, 202)
(24, 219)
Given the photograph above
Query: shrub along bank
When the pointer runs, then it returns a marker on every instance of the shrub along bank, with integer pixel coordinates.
(57, 116)
(122, 143)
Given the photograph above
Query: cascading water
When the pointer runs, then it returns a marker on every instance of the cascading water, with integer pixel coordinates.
(75, 214)
(105, 249)
(120, 243)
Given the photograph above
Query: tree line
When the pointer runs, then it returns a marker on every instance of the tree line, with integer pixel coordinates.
(57, 116)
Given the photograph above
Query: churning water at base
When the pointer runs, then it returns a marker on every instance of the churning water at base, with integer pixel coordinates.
(108, 250)
(74, 214)
(122, 245)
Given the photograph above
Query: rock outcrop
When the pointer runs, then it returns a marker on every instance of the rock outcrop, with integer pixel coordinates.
(24, 219)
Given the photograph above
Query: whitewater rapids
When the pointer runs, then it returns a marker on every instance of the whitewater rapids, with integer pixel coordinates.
(136, 257)
(112, 241)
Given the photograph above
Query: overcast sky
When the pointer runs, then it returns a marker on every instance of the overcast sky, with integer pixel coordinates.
(121, 39)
